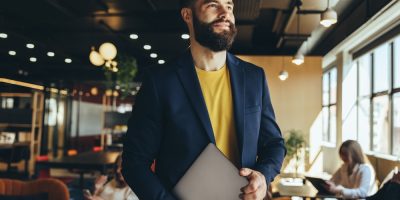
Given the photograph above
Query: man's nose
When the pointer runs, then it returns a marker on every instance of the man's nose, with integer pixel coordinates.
(223, 12)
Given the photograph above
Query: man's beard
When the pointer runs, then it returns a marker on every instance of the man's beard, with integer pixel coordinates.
(205, 35)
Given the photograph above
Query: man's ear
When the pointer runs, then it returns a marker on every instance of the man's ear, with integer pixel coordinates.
(186, 14)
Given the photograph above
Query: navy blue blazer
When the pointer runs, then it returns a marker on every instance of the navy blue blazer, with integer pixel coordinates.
(170, 123)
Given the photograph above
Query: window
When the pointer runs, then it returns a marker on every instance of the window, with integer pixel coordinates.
(380, 125)
(329, 82)
(396, 54)
(332, 86)
(364, 68)
(378, 99)
(7, 103)
(349, 104)
(396, 124)
(364, 95)
(381, 68)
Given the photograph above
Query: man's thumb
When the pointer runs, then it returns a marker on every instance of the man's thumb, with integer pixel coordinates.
(245, 171)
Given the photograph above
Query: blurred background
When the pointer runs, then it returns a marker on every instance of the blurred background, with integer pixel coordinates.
(70, 71)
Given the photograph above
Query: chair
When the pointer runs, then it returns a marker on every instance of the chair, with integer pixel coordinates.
(389, 176)
(55, 189)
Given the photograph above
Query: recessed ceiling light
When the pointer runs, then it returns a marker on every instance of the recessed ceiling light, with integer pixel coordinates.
(147, 47)
(30, 46)
(3, 35)
(185, 36)
(68, 60)
(153, 55)
(161, 62)
(32, 59)
(51, 54)
(12, 53)
(133, 36)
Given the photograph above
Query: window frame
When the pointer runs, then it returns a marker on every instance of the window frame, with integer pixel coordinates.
(331, 137)
(390, 92)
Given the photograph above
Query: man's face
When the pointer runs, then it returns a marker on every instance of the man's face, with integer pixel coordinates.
(214, 24)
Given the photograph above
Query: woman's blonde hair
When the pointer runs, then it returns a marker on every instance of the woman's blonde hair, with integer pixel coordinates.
(354, 150)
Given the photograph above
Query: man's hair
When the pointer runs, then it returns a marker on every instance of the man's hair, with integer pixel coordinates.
(186, 3)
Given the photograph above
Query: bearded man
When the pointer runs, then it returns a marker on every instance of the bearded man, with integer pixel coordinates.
(206, 96)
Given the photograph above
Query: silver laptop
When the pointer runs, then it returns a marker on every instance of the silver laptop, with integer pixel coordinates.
(212, 176)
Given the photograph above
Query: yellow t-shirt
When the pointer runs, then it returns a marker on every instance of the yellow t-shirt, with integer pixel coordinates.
(216, 88)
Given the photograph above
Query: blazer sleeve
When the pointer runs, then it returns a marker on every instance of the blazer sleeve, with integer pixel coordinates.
(142, 143)
(271, 147)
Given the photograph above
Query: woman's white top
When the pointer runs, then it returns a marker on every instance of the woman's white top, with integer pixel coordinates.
(359, 184)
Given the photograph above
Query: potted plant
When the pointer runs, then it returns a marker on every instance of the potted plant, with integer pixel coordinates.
(127, 69)
(294, 142)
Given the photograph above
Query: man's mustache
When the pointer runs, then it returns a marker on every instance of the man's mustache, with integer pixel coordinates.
(231, 24)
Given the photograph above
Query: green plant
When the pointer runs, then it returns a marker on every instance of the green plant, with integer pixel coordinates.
(293, 143)
(127, 69)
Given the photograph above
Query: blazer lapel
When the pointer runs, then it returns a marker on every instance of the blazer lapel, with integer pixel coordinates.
(238, 91)
(190, 82)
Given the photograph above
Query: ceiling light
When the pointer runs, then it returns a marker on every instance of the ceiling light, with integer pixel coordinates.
(283, 75)
(30, 46)
(95, 58)
(108, 92)
(68, 60)
(32, 59)
(185, 36)
(133, 36)
(147, 47)
(328, 17)
(298, 59)
(108, 51)
(115, 93)
(3, 35)
(161, 62)
(94, 91)
(51, 54)
(153, 55)
(12, 53)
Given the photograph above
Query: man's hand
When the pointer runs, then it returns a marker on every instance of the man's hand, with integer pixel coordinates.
(257, 187)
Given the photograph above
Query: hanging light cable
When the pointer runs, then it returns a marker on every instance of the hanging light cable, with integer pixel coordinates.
(298, 58)
(283, 74)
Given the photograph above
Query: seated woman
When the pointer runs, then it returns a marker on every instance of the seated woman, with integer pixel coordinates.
(116, 189)
(355, 178)
(389, 191)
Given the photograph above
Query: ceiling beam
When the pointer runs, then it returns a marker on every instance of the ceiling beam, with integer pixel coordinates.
(286, 21)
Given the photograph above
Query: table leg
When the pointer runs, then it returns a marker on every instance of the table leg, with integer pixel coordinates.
(81, 179)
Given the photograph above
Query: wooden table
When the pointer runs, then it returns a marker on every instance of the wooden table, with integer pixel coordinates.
(306, 190)
(84, 162)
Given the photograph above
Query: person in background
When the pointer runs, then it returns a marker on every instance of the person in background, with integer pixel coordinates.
(355, 178)
(116, 189)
